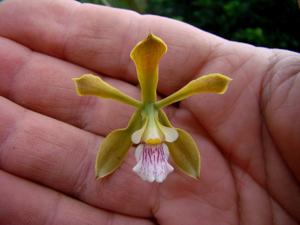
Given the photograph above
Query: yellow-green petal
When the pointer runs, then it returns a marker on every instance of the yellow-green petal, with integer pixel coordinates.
(211, 83)
(184, 150)
(112, 152)
(92, 85)
(146, 56)
(162, 117)
(185, 154)
(114, 147)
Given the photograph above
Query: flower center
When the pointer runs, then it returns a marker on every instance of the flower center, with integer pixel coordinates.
(153, 132)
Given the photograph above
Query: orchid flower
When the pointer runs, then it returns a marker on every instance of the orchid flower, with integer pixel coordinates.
(149, 128)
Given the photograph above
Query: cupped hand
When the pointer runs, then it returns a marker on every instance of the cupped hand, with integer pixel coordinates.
(248, 138)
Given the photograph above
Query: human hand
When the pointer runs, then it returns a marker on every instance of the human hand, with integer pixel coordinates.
(248, 138)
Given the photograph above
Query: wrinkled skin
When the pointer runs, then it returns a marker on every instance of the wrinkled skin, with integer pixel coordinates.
(248, 138)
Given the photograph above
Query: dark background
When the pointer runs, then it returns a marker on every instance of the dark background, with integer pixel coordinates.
(269, 23)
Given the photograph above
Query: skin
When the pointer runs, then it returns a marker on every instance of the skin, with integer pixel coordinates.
(248, 138)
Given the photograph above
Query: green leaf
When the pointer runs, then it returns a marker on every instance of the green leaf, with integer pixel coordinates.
(146, 56)
(185, 154)
(115, 146)
(92, 85)
(211, 83)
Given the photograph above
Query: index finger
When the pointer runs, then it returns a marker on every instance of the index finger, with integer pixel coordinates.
(100, 38)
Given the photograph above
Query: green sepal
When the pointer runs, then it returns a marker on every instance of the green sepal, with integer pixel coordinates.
(115, 146)
(92, 85)
(184, 150)
(211, 83)
(185, 154)
(146, 56)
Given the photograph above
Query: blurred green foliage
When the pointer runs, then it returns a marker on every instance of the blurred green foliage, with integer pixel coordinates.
(269, 23)
(136, 5)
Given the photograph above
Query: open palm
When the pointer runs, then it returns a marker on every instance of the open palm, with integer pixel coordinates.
(248, 138)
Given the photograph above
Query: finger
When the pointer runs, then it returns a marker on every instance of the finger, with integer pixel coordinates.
(280, 102)
(30, 79)
(62, 157)
(87, 35)
(23, 202)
